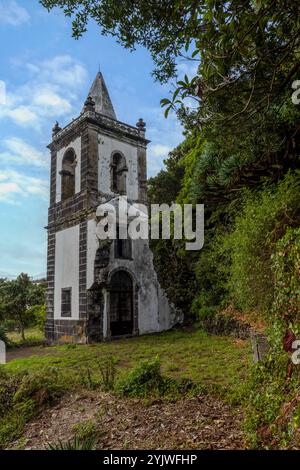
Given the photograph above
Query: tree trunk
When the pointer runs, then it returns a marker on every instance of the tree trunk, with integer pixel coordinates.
(22, 332)
(22, 329)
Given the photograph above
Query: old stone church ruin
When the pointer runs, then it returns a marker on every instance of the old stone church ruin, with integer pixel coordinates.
(99, 289)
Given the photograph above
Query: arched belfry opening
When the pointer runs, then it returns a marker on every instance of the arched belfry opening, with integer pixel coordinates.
(68, 174)
(118, 173)
(121, 304)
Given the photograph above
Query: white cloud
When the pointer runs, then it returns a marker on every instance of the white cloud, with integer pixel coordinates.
(61, 69)
(18, 151)
(159, 150)
(165, 135)
(14, 186)
(50, 91)
(12, 13)
(2, 93)
(189, 68)
(22, 115)
(8, 188)
(157, 153)
(50, 101)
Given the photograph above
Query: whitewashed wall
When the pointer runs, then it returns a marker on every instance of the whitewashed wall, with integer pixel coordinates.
(67, 269)
(155, 313)
(76, 145)
(108, 145)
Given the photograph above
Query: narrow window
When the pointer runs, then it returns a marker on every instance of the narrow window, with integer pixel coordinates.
(66, 302)
(68, 175)
(118, 174)
(123, 247)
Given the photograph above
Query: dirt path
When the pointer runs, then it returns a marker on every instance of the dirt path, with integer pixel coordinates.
(190, 423)
(26, 351)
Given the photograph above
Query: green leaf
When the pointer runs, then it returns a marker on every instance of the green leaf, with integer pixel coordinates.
(164, 102)
(167, 111)
(257, 5)
(176, 93)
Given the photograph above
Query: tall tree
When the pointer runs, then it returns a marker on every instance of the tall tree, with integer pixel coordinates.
(247, 52)
(16, 296)
(233, 41)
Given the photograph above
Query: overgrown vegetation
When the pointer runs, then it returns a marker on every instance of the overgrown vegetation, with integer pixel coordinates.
(189, 363)
(22, 395)
(260, 223)
(273, 408)
(250, 265)
(240, 158)
(144, 380)
(85, 438)
(22, 306)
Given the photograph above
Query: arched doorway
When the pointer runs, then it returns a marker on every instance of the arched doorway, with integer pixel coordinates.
(121, 304)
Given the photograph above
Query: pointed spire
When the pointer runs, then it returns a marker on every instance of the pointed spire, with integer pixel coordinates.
(100, 96)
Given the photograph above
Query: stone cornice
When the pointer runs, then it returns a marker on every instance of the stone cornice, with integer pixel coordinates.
(103, 123)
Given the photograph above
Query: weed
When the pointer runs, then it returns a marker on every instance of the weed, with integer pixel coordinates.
(108, 373)
(76, 443)
(85, 429)
(88, 379)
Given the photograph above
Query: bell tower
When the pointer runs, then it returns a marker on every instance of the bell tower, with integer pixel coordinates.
(95, 159)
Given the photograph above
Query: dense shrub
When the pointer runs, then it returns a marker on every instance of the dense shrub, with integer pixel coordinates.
(147, 380)
(174, 266)
(273, 412)
(9, 325)
(21, 396)
(265, 275)
(217, 323)
(8, 387)
(13, 415)
(142, 381)
(42, 386)
(272, 402)
(286, 268)
(261, 223)
(211, 271)
(37, 316)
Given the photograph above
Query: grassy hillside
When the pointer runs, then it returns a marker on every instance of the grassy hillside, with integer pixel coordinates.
(176, 366)
(205, 359)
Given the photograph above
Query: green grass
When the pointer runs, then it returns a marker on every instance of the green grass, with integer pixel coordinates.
(207, 360)
(32, 336)
(215, 364)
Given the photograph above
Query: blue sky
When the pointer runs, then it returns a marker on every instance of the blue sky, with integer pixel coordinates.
(47, 75)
